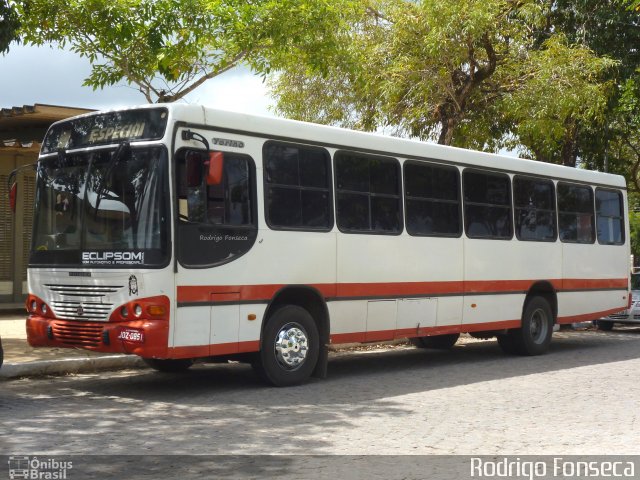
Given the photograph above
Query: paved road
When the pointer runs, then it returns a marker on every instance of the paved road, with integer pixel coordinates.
(581, 398)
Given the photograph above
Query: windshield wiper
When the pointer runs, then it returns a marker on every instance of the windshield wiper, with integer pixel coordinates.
(123, 149)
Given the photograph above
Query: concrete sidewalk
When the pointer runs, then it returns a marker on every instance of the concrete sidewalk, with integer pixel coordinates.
(21, 360)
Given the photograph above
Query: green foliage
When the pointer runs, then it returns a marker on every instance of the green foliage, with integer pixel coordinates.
(623, 133)
(9, 25)
(469, 73)
(565, 88)
(167, 48)
(634, 234)
(608, 28)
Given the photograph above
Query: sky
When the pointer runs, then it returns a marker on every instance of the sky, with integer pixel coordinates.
(52, 76)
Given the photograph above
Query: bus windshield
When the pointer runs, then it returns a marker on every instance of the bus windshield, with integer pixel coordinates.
(105, 207)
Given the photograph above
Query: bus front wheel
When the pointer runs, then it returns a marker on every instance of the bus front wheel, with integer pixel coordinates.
(534, 335)
(290, 347)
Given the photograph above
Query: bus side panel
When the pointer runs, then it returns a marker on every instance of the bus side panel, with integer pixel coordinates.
(385, 267)
(192, 326)
(499, 273)
(277, 259)
(595, 279)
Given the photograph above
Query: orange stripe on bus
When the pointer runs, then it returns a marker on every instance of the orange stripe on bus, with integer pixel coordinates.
(384, 335)
(202, 294)
(200, 351)
(593, 284)
(588, 316)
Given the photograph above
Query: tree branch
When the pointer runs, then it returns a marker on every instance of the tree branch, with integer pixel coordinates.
(232, 63)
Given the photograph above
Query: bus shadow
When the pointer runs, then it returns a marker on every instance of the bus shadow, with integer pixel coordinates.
(395, 371)
(227, 408)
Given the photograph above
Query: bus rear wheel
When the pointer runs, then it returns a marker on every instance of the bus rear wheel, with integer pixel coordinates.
(169, 365)
(440, 342)
(290, 347)
(534, 335)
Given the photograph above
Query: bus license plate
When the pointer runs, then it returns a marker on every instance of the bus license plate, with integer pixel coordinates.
(131, 335)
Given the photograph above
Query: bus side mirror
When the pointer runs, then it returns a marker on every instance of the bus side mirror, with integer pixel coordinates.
(13, 195)
(216, 165)
(193, 165)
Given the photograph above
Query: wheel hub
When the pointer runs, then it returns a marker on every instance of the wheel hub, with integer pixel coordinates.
(291, 346)
(538, 326)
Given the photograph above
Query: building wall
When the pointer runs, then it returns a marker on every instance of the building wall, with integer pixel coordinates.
(15, 228)
(21, 130)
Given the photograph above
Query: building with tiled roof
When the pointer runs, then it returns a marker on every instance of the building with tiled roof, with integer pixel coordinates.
(21, 131)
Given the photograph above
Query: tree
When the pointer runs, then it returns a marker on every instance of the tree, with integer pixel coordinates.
(167, 48)
(468, 73)
(415, 65)
(624, 133)
(609, 28)
(634, 235)
(566, 88)
(9, 25)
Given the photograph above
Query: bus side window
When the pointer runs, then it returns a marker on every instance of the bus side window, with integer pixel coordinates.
(575, 213)
(535, 209)
(487, 205)
(297, 187)
(228, 203)
(610, 217)
(368, 193)
(432, 199)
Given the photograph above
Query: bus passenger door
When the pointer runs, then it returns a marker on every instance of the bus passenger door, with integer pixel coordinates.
(192, 329)
(215, 201)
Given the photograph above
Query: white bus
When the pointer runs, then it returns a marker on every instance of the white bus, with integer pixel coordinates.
(179, 232)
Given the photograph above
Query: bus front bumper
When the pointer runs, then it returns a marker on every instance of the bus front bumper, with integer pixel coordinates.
(146, 338)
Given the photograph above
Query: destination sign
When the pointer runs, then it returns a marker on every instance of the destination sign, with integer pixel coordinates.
(128, 130)
(105, 128)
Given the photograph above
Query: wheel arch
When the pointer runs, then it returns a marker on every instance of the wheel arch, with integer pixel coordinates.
(312, 301)
(544, 289)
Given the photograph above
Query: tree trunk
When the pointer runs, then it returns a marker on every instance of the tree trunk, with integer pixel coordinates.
(446, 133)
(569, 152)
(464, 83)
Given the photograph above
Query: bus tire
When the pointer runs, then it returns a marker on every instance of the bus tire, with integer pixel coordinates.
(290, 347)
(169, 365)
(604, 325)
(534, 335)
(439, 342)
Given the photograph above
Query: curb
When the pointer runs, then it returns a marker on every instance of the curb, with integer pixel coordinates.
(69, 366)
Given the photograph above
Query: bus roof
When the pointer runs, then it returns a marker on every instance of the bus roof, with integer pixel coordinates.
(296, 131)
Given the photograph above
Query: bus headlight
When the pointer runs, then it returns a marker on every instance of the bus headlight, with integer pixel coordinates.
(34, 305)
(156, 308)
(43, 307)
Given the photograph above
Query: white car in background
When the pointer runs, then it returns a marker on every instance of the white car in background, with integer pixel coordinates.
(631, 315)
